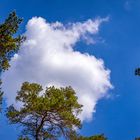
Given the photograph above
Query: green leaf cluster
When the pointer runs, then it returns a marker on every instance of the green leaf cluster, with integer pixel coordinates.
(73, 135)
(9, 44)
(96, 137)
(46, 114)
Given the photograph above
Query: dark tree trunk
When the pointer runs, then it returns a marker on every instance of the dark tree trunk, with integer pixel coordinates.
(39, 129)
(36, 138)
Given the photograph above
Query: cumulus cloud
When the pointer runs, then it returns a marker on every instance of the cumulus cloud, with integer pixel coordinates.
(48, 57)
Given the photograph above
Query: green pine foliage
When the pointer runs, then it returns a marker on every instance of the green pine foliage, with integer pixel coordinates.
(96, 137)
(46, 114)
(9, 44)
(74, 136)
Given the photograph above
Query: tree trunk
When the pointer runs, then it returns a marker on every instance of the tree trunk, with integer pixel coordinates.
(36, 137)
(39, 128)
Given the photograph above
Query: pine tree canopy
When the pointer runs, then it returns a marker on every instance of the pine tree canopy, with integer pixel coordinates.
(9, 43)
(46, 114)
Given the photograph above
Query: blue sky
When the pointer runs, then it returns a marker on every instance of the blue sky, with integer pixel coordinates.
(118, 117)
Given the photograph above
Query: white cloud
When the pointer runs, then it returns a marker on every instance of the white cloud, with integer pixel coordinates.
(47, 57)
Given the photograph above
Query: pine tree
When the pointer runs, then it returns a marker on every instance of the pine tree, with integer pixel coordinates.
(74, 136)
(9, 43)
(46, 115)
